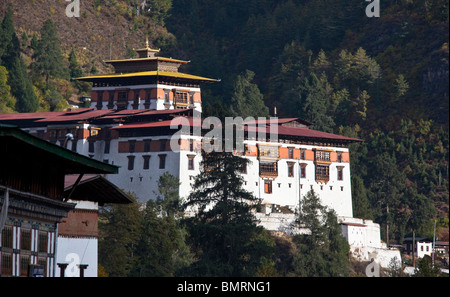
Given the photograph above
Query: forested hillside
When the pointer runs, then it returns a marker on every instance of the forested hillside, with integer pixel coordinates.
(384, 80)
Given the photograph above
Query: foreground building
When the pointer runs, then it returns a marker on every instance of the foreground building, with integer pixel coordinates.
(32, 200)
(136, 121)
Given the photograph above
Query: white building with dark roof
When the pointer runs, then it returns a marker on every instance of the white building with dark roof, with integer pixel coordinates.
(147, 106)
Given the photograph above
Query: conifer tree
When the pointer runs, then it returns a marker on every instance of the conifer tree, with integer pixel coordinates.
(48, 54)
(223, 230)
(316, 106)
(7, 102)
(247, 100)
(21, 86)
(162, 248)
(74, 67)
(119, 232)
(322, 251)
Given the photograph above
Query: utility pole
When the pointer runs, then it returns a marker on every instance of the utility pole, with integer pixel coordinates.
(434, 237)
(414, 249)
(387, 225)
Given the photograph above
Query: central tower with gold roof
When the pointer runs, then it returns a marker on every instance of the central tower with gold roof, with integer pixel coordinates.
(146, 82)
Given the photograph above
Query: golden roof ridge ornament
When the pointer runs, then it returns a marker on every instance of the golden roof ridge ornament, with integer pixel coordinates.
(147, 52)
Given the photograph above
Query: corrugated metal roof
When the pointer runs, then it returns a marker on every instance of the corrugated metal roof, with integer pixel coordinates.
(68, 117)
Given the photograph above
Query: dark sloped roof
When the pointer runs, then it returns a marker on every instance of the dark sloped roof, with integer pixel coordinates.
(96, 188)
(33, 147)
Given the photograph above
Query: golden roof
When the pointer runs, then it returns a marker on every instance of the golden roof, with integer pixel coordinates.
(147, 73)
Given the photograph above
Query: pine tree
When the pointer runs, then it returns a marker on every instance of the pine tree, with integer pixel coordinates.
(318, 93)
(21, 86)
(161, 250)
(247, 100)
(223, 230)
(322, 251)
(7, 102)
(48, 55)
(74, 67)
(119, 232)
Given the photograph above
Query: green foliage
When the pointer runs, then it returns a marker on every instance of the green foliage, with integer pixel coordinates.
(149, 242)
(7, 102)
(223, 231)
(48, 54)
(322, 251)
(10, 57)
(161, 250)
(119, 231)
(247, 101)
(425, 268)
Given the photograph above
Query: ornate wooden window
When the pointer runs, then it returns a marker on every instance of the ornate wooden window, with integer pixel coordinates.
(268, 169)
(322, 161)
(322, 173)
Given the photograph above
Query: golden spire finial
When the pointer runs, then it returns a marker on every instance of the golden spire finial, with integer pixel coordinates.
(146, 41)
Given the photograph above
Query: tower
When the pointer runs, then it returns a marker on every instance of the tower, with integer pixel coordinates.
(146, 82)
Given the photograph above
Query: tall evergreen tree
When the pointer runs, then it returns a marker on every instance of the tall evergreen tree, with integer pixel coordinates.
(74, 67)
(48, 55)
(119, 232)
(161, 249)
(7, 102)
(223, 231)
(322, 251)
(316, 106)
(21, 86)
(247, 100)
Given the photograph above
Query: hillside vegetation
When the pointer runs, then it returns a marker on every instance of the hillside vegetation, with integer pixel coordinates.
(384, 80)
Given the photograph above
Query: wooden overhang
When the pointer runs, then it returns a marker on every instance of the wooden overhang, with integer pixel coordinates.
(96, 188)
(34, 149)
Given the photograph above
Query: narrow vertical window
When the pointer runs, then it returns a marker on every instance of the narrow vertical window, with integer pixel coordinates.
(303, 170)
(290, 152)
(147, 145)
(25, 239)
(43, 242)
(162, 161)
(131, 162)
(340, 173)
(99, 100)
(302, 154)
(162, 144)
(132, 146)
(339, 156)
(191, 162)
(268, 186)
(146, 162)
(290, 169)
(107, 146)
(91, 146)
